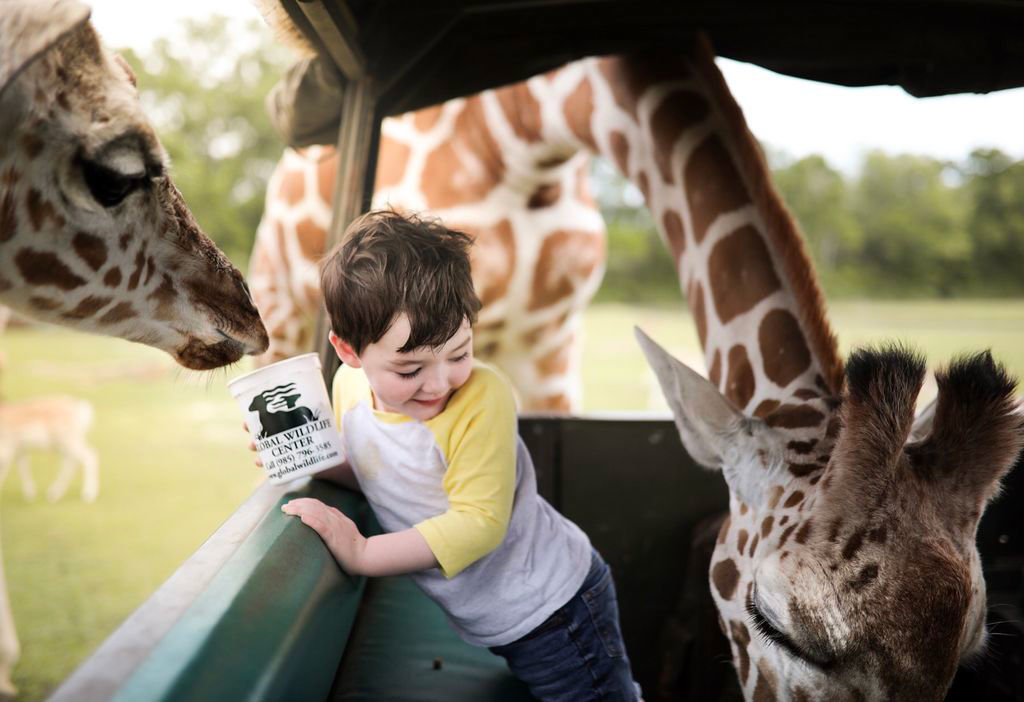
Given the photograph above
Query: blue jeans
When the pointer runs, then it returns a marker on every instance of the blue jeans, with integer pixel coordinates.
(577, 653)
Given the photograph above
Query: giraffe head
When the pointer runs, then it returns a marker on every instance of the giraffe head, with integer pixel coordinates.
(848, 568)
(93, 233)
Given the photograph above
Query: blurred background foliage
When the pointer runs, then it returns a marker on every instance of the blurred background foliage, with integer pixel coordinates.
(901, 226)
(205, 96)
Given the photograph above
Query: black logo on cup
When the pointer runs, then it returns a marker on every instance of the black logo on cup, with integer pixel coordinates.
(278, 411)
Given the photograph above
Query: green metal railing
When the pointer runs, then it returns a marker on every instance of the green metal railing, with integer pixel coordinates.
(258, 628)
(262, 612)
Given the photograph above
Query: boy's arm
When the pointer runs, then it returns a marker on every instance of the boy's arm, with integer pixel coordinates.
(480, 480)
(397, 553)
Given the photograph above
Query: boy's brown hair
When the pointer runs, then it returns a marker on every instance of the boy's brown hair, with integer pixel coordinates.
(388, 263)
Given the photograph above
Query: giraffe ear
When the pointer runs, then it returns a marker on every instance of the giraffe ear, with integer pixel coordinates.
(28, 28)
(714, 433)
(976, 432)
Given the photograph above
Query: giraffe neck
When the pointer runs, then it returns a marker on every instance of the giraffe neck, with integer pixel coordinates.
(673, 129)
(509, 167)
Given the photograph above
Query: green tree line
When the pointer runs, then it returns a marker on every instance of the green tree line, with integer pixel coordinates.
(205, 96)
(902, 226)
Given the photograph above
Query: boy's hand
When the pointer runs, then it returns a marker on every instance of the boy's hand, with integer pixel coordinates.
(252, 444)
(339, 533)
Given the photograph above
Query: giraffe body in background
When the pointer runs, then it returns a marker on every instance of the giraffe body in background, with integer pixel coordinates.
(93, 233)
(518, 190)
(509, 167)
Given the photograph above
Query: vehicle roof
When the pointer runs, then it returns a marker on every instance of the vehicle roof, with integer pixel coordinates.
(422, 52)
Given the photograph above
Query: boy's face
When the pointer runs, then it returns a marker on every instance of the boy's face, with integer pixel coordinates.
(418, 383)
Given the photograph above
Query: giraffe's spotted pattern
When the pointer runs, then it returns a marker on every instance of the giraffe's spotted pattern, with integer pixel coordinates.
(546, 195)
(783, 348)
(620, 150)
(522, 111)
(493, 261)
(725, 577)
(672, 224)
(393, 159)
(715, 369)
(713, 185)
(41, 212)
(426, 118)
(579, 107)
(464, 169)
(739, 383)
(681, 110)
(32, 145)
(8, 217)
(140, 261)
(292, 188)
(696, 299)
(743, 274)
(566, 256)
(311, 238)
(87, 307)
(45, 268)
(44, 304)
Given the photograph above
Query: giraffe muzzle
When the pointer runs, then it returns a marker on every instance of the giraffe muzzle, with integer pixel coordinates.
(251, 346)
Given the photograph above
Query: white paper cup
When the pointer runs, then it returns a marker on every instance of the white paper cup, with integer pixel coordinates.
(290, 417)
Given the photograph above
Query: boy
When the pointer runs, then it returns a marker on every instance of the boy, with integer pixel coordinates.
(431, 440)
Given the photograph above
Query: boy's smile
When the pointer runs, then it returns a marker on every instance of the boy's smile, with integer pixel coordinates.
(417, 383)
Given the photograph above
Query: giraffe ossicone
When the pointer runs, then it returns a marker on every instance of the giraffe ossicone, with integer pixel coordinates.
(93, 233)
(859, 579)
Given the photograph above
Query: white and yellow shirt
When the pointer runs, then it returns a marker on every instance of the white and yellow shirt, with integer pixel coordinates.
(465, 480)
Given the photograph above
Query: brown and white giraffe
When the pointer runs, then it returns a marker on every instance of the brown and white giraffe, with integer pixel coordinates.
(484, 165)
(93, 233)
(848, 568)
(508, 166)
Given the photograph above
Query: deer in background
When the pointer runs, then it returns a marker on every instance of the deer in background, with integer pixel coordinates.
(58, 423)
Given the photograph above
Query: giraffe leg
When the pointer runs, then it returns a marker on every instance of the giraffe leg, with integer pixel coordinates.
(548, 377)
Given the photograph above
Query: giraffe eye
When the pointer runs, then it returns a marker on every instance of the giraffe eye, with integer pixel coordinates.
(108, 186)
(773, 636)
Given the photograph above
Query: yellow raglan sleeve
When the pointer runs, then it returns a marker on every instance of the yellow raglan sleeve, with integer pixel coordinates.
(479, 441)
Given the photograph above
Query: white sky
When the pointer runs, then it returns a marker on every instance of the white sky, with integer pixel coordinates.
(796, 116)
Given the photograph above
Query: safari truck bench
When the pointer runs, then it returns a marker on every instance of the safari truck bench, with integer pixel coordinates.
(262, 611)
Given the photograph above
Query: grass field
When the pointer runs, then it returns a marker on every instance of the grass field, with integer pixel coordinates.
(174, 463)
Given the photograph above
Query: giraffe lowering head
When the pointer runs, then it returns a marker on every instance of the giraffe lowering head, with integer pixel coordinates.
(93, 233)
(848, 569)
